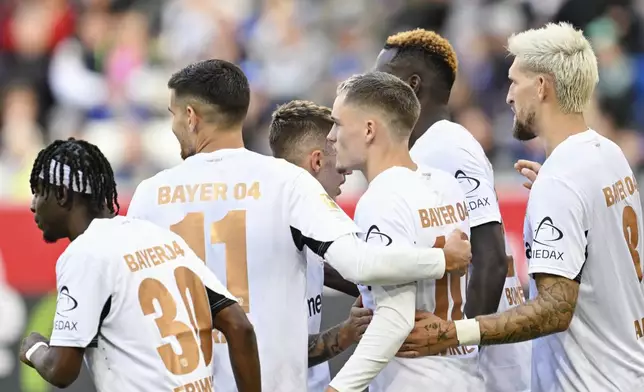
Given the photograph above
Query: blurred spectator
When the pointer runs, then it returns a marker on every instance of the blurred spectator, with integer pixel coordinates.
(98, 69)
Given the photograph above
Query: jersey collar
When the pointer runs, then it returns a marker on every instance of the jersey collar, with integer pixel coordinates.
(215, 155)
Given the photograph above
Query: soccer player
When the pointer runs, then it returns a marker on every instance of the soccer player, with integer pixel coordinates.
(428, 63)
(405, 204)
(583, 233)
(297, 133)
(249, 217)
(133, 299)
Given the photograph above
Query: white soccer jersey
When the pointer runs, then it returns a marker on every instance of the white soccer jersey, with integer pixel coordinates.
(449, 146)
(319, 376)
(421, 208)
(584, 222)
(248, 216)
(121, 287)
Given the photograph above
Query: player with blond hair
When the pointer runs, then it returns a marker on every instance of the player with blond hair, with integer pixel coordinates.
(428, 63)
(583, 233)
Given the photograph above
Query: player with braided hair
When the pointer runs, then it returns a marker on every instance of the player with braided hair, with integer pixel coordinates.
(114, 295)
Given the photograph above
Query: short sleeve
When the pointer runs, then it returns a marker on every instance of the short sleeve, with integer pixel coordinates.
(138, 204)
(480, 196)
(84, 295)
(384, 221)
(313, 215)
(556, 228)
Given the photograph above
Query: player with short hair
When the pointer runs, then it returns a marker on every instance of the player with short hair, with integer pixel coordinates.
(404, 205)
(583, 233)
(428, 63)
(133, 299)
(297, 133)
(249, 217)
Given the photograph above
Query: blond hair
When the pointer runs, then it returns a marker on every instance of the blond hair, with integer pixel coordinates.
(561, 51)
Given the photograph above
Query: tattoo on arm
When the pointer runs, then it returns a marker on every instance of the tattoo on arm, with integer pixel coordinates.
(550, 312)
(324, 346)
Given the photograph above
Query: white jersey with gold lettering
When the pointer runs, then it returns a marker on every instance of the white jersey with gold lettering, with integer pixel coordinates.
(249, 216)
(121, 287)
(421, 208)
(319, 375)
(584, 223)
(449, 146)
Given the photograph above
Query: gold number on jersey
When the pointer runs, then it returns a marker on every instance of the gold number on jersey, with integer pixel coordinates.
(631, 235)
(195, 300)
(444, 289)
(230, 231)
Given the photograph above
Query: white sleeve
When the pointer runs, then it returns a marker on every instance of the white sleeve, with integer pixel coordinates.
(84, 287)
(395, 305)
(137, 207)
(555, 229)
(314, 215)
(478, 186)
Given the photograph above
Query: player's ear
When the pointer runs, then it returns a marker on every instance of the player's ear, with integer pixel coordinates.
(541, 87)
(315, 161)
(192, 118)
(414, 82)
(370, 131)
(64, 195)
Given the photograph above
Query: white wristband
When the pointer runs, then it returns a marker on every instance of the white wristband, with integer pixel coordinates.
(33, 349)
(468, 332)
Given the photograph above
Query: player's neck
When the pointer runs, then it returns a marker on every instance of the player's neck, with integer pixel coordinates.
(428, 118)
(78, 223)
(559, 127)
(220, 140)
(379, 161)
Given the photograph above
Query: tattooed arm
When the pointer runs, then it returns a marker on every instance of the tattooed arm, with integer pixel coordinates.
(550, 312)
(326, 345)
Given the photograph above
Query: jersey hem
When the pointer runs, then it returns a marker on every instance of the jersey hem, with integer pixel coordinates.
(552, 271)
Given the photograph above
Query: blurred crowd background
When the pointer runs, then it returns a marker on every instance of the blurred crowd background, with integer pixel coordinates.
(97, 69)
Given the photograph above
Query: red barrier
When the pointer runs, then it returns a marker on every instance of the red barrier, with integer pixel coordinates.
(30, 263)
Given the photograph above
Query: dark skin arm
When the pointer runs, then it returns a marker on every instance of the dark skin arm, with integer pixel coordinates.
(335, 281)
(326, 345)
(59, 366)
(242, 347)
(489, 270)
(550, 312)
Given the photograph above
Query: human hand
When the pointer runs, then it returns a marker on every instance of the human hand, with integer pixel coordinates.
(431, 336)
(354, 327)
(458, 253)
(529, 170)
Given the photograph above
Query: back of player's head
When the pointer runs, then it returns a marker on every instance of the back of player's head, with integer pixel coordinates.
(215, 83)
(387, 94)
(298, 127)
(80, 167)
(563, 53)
(429, 55)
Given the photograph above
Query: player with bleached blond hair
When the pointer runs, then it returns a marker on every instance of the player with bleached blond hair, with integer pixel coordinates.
(583, 233)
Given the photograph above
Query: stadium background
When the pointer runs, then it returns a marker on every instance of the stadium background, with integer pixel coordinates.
(97, 69)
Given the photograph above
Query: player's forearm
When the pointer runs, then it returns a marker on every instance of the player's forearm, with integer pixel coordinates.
(51, 368)
(550, 312)
(367, 265)
(325, 345)
(244, 359)
(334, 280)
(392, 322)
(489, 270)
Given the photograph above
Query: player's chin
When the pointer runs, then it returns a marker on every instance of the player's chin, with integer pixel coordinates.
(49, 237)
